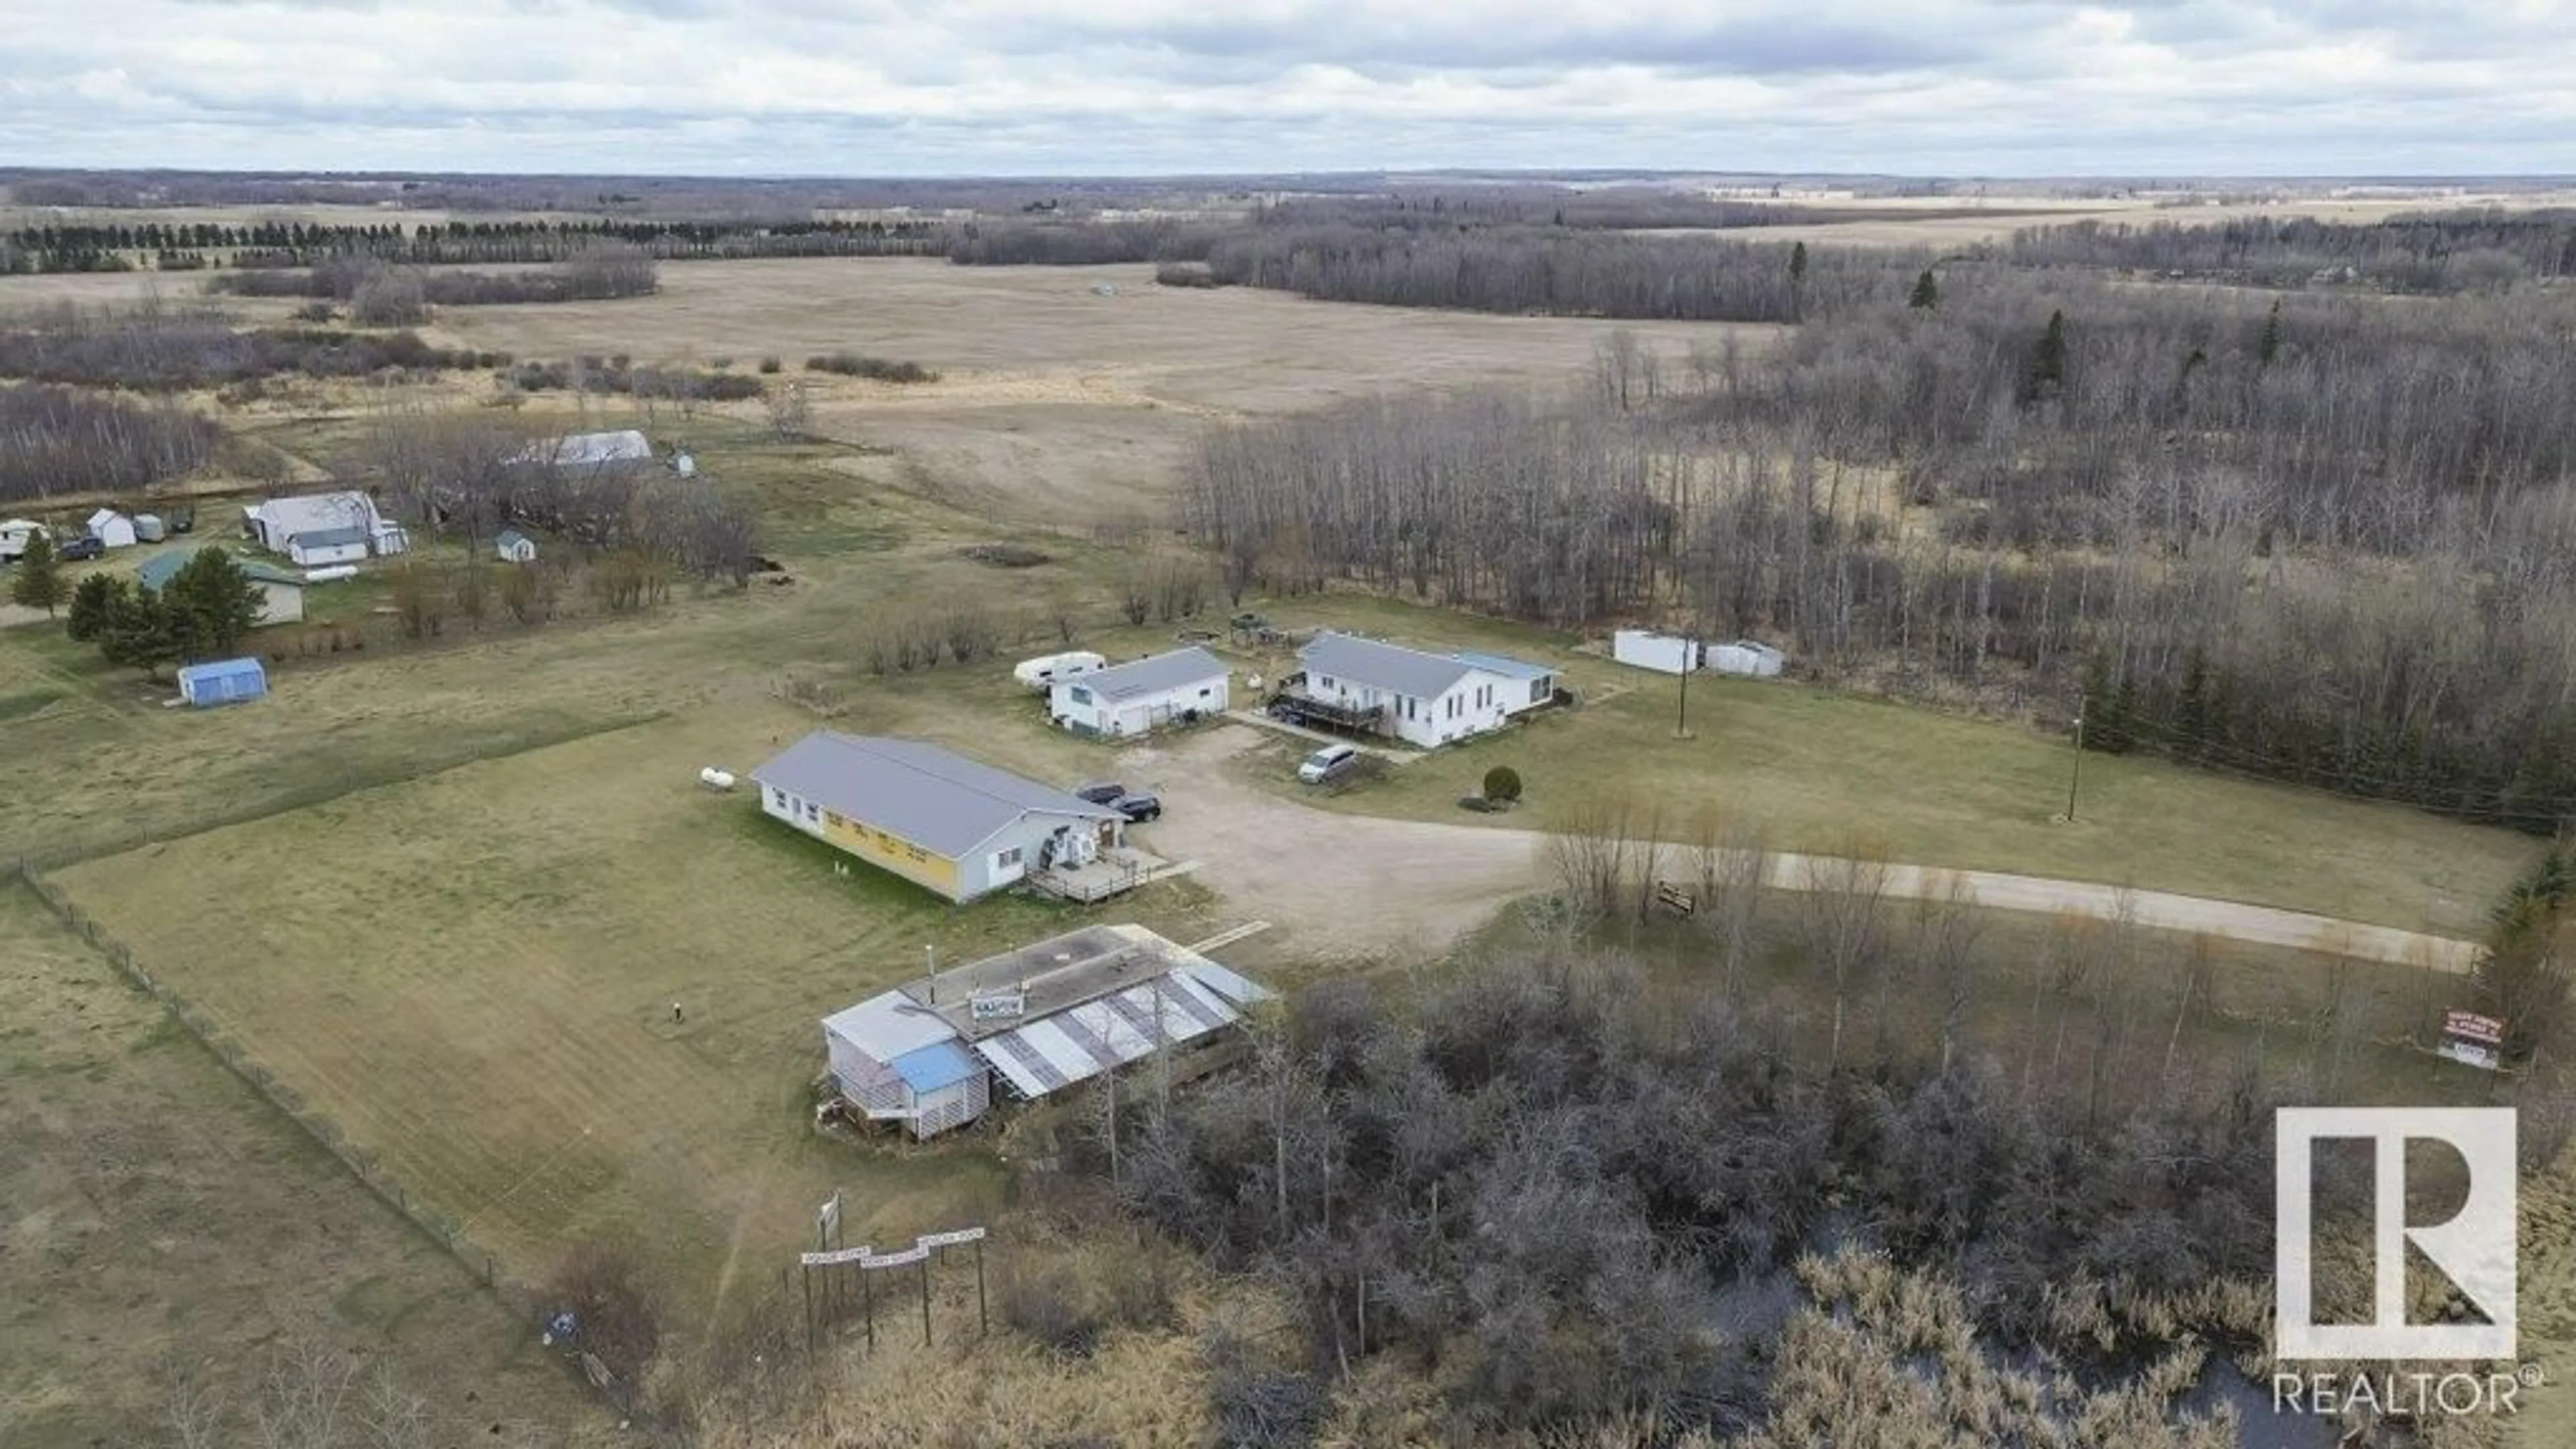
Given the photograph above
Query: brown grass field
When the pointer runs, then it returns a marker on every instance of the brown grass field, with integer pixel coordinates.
(472, 974)
(155, 1211)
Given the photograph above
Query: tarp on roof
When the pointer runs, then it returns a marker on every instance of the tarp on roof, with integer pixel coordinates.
(1390, 667)
(943, 802)
(940, 1064)
(326, 537)
(591, 450)
(1154, 674)
(280, 519)
(1503, 664)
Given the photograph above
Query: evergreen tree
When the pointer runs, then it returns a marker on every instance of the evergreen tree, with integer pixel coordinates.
(38, 581)
(212, 604)
(91, 604)
(139, 632)
(2046, 375)
(2268, 346)
(1797, 281)
(1927, 293)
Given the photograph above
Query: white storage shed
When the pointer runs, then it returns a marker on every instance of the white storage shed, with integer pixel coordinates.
(1142, 694)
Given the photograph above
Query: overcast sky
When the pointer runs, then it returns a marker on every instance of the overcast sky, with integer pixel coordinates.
(912, 87)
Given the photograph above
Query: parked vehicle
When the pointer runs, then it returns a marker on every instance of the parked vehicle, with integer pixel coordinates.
(87, 546)
(1042, 672)
(1100, 792)
(1139, 808)
(1329, 763)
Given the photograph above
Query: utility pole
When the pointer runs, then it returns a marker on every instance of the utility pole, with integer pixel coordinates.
(2075, 770)
(1690, 662)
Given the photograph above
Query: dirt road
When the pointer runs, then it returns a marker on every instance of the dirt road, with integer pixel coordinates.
(1354, 885)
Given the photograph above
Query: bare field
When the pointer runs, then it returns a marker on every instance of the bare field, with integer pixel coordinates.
(1054, 401)
(153, 1209)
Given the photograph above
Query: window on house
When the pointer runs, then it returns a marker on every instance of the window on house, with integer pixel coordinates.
(1004, 860)
(778, 798)
(811, 812)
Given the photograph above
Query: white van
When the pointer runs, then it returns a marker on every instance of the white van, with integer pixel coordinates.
(1041, 673)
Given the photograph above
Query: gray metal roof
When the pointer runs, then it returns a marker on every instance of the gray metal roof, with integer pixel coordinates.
(327, 537)
(1504, 665)
(942, 802)
(1390, 667)
(1152, 675)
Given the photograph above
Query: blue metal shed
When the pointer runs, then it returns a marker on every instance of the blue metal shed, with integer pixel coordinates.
(223, 681)
(940, 1064)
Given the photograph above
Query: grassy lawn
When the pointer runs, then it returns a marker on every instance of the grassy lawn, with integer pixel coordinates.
(1829, 772)
(154, 1206)
(472, 974)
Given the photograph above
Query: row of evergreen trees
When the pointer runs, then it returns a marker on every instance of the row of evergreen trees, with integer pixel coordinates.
(187, 247)
(203, 612)
(2206, 715)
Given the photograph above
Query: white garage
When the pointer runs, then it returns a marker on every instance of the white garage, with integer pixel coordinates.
(1143, 694)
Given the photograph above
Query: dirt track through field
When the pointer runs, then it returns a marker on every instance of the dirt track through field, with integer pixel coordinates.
(1353, 885)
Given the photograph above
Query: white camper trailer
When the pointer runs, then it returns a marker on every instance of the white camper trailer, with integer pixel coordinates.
(1042, 673)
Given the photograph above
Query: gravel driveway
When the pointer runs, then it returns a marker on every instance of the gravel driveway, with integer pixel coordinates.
(1347, 885)
(1330, 884)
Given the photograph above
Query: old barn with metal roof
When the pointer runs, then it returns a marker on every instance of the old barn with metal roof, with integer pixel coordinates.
(931, 1054)
(944, 822)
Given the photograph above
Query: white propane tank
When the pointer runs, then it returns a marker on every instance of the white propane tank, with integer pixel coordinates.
(715, 779)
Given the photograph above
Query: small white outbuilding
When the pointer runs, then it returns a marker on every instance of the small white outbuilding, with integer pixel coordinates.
(1142, 694)
(1663, 653)
(112, 528)
(515, 547)
(1746, 657)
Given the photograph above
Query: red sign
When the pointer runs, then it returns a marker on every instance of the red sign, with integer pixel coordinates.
(2470, 1026)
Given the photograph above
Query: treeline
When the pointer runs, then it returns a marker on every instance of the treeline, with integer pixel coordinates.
(1695, 279)
(276, 244)
(2427, 253)
(154, 351)
(1567, 1202)
(600, 271)
(55, 440)
(2331, 544)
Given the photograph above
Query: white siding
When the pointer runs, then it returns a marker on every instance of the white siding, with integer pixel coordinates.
(279, 603)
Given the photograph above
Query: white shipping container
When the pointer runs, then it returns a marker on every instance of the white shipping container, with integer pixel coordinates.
(1646, 649)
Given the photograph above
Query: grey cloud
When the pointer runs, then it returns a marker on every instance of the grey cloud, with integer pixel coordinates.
(1983, 86)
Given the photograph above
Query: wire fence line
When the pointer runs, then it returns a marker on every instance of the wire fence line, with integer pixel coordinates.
(321, 789)
(477, 1259)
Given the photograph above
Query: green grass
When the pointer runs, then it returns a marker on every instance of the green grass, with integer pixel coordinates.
(1824, 771)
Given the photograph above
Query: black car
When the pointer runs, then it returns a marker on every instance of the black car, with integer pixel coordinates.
(85, 547)
(1138, 808)
(1100, 792)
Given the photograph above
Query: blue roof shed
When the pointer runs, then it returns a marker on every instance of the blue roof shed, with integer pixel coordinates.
(224, 681)
(940, 1064)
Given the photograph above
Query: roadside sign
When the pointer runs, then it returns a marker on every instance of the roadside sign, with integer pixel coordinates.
(2472, 1040)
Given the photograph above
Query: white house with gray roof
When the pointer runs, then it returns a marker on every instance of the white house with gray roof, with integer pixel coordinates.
(952, 825)
(1424, 699)
(1142, 694)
